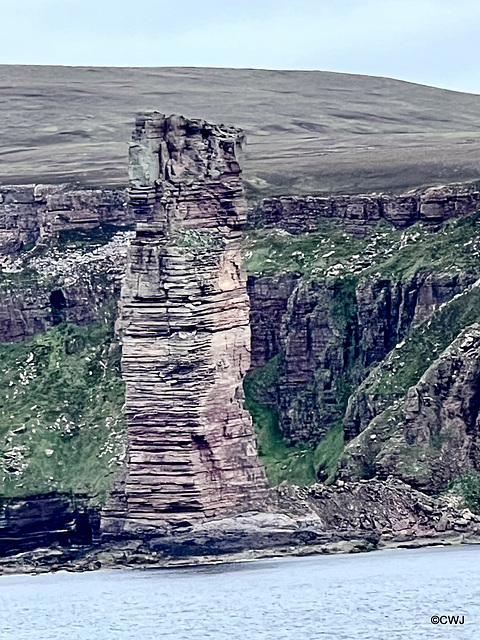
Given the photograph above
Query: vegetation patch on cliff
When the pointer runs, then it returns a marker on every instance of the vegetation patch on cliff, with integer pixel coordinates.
(402, 259)
(467, 486)
(199, 239)
(405, 364)
(281, 461)
(344, 315)
(299, 464)
(453, 248)
(89, 238)
(359, 456)
(328, 250)
(327, 453)
(61, 412)
(385, 252)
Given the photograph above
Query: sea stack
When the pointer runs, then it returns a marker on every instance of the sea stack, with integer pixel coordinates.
(185, 331)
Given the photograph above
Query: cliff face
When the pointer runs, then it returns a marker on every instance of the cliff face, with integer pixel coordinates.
(330, 335)
(431, 437)
(352, 318)
(330, 307)
(33, 212)
(349, 308)
(68, 283)
(359, 214)
(62, 255)
(62, 259)
(44, 520)
(186, 334)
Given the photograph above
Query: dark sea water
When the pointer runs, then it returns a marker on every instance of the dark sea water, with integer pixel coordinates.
(386, 595)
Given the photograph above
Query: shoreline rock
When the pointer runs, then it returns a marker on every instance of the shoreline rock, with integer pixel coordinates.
(122, 558)
(348, 517)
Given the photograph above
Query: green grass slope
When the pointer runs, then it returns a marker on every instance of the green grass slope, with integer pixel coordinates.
(61, 412)
(298, 464)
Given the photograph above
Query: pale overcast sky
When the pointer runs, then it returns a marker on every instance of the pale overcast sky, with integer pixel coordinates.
(435, 42)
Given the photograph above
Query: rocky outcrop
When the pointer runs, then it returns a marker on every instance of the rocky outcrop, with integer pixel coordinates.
(330, 334)
(186, 334)
(360, 213)
(62, 255)
(32, 215)
(33, 212)
(433, 436)
(390, 509)
(438, 204)
(45, 520)
(416, 302)
(347, 517)
(302, 214)
(192, 466)
(29, 213)
(61, 282)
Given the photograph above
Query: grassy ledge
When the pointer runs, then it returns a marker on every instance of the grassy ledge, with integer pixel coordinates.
(386, 252)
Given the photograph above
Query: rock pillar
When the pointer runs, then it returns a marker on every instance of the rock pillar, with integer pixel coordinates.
(186, 334)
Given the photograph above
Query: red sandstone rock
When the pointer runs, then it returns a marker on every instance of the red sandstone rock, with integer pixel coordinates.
(301, 214)
(186, 334)
(30, 212)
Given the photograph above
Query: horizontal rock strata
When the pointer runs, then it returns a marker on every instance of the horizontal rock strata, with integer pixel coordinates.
(186, 334)
(29, 213)
(301, 214)
(32, 212)
(44, 520)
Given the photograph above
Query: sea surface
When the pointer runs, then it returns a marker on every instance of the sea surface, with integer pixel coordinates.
(385, 595)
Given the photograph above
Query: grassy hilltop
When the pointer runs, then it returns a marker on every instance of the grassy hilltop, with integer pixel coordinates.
(307, 131)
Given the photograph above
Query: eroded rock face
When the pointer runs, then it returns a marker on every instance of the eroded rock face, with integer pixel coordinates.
(386, 313)
(330, 335)
(62, 255)
(432, 438)
(32, 212)
(186, 333)
(358, 214)
(44, 520)
(69, 283)
(451, 201)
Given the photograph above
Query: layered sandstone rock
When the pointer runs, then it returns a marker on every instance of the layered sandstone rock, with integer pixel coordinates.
(329, 335)
(34, 212)
(358, 214)
(186, 334)
(451, 201)
(43, 520)
(269, 296)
